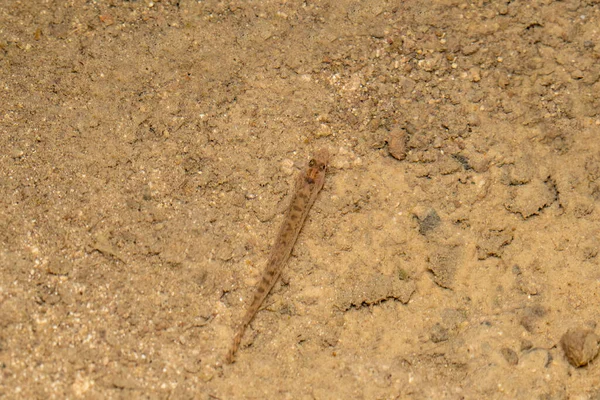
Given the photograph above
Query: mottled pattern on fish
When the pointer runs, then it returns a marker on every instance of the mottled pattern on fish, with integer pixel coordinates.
(308, 185)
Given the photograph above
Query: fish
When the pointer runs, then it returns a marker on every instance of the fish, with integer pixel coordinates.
(308, 185)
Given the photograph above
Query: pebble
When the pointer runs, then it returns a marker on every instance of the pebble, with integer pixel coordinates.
(535, 360)
(580, 346)
(510, 356)
(397, 143)
(439, 333)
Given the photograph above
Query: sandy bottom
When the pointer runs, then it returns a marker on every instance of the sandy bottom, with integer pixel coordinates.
(149, 149)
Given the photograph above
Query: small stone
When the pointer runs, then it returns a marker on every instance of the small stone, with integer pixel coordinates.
(526, 345)
(531, 317)
(479, 163)
(443, 265)
(324, 130)
(470, 49)
(402, 274)
(475, 74)
(439, 333)
(510, 356)
(287, 167)
(473, 119)
(397, 143)
(17, 153)
(429, 222)
(58, 266)
(535, 360)
(580, 346)
(577, 74)
(531, 199)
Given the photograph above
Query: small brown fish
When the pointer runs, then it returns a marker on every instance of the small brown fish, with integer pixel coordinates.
(308, 185)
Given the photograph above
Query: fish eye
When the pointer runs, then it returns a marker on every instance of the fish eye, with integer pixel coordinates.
(312, 163)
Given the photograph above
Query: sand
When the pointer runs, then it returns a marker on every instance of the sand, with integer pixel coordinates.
(148, 150)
